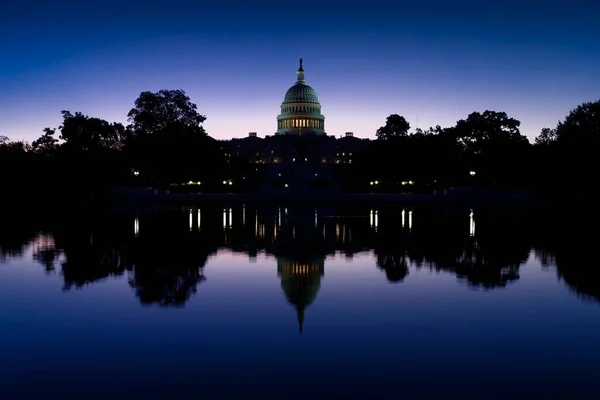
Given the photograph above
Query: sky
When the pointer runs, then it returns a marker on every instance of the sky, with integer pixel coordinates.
(431, 62)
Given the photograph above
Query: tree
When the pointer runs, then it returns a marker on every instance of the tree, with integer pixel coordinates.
(546, 137)
(480, 130)
(83, 133)
(154, 113)
(168, 144)
(46, 144)
(574, 158)
(492, 145)
(581, 127)
(395, 126)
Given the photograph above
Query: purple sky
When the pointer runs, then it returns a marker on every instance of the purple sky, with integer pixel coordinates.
(536, 61)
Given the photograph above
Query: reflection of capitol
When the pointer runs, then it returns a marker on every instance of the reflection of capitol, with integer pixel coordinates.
(163, 254)
(300, 282)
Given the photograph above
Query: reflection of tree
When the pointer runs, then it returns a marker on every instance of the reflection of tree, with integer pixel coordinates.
(440, 241)
(568, 247)
(165, 286)
(165, 262)
(490, 259)
(17, 230)
(394, 265)
(167, 259)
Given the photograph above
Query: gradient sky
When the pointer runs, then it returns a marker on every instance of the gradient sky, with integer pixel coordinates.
(432, 62)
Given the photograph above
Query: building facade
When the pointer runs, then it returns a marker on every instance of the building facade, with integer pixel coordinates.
(300, 153)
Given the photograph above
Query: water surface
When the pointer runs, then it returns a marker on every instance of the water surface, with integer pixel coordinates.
(296, 302)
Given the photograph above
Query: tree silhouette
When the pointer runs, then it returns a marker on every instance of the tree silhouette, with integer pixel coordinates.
(395, 126)
(569, 152)
(83, 133)
(46, 144)
(547, 136)
(168, 143)
(156, 113)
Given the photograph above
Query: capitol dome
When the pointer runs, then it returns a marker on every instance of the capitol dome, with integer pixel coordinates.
(301, 93)
(300, 110)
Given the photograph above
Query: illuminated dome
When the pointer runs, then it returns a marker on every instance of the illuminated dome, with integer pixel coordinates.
(300, 110)
(301, 93)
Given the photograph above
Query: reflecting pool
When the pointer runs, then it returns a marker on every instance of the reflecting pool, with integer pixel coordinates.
(291, 302)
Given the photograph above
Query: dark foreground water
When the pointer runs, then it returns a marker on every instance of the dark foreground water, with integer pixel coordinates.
(297, 302)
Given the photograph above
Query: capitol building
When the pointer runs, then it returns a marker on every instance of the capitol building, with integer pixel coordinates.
(300, 153)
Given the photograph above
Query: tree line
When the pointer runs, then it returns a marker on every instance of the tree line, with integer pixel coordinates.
(164, 142)
(487, 149)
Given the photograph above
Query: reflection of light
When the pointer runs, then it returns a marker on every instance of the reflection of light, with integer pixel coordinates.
(410, 220)
(279, 216)
(471, 224)
(191, 220)
(136, 226)
(244, 214)
(224, 218)
(375, 221)
(315, 217)
(230, 217)
(371, 218)
(402, 218)
(256, 224)
(199, 219)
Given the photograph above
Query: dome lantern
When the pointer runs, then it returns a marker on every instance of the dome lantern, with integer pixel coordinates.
(300, 72)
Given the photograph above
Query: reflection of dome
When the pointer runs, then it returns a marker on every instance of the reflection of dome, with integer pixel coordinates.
(300, 110)
(300, 282)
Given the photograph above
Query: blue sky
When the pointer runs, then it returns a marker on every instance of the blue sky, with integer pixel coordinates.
(433, 62)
